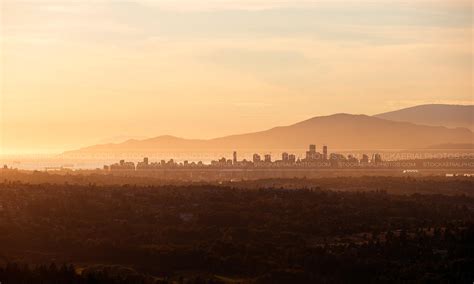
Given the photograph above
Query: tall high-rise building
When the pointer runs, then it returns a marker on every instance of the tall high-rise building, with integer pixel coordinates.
(235, 158)
(256, 158)
(325, 152)
(145, 161)
(292, 158)
(311, 155)
(284, 157)
(268, 158)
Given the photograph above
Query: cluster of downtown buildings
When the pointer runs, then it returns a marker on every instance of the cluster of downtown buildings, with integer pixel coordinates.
(312, 159)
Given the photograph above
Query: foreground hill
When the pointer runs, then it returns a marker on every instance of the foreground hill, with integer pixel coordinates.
(451, 116)
(329, 230)
(339, 131)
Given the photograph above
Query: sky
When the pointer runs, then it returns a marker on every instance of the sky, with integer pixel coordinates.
(75, 73)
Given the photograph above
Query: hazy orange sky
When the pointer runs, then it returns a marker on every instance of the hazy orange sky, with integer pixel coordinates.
(75, 73)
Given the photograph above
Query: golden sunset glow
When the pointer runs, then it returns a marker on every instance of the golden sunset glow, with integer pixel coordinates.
(75, 73)
(236, 141)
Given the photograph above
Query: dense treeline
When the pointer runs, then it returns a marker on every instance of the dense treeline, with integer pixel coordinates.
(199, 233)
(362, 182)
(52, 274)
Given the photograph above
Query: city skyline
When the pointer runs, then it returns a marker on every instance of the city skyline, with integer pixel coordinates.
(311, 160)
(236, 141)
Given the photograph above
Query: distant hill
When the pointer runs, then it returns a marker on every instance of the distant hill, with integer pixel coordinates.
(451, 116)
(118, 139)
(339, 131)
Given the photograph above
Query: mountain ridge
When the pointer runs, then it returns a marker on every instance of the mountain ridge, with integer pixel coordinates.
(342, 131)
(451, 116)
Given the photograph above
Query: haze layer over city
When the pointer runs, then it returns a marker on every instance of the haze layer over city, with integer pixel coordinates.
(236, 141)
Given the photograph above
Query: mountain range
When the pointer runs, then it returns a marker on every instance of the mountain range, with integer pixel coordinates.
(451, 116)
(410, 128)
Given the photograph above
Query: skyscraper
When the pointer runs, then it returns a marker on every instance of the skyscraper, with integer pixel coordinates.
(325, 152)
(311, 154)
(256, 158)
(235, 158)
(268, 158)
(292, 158)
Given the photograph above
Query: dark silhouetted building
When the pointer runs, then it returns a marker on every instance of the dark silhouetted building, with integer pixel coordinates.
(123, 166)
(292, 158)
(256, 158)
(365, 159)
(268, 158)
(352, 159)
(312, 155)
(376, 158)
